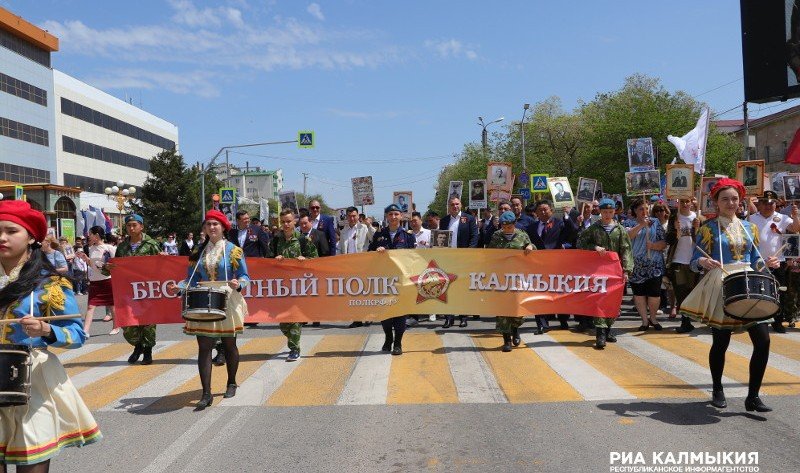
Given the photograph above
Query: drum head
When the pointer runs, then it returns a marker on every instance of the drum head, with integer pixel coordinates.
(751, 309)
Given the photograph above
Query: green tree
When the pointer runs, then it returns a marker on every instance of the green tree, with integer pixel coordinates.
(169, 200)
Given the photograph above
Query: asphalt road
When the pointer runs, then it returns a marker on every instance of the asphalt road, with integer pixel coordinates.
(452, 402)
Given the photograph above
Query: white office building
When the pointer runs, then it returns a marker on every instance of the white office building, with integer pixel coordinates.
(255, 185)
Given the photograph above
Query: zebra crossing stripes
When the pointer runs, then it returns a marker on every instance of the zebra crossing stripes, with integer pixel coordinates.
(369, 381)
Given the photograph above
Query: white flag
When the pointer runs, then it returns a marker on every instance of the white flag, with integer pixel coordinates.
(263, 210)
(692, 146)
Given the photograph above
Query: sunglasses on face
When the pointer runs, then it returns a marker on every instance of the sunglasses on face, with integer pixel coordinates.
(314, 207)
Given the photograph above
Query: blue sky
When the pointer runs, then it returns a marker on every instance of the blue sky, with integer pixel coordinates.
(392, 89)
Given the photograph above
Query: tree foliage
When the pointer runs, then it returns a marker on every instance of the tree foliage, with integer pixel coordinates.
(170, 197)
(590, 141)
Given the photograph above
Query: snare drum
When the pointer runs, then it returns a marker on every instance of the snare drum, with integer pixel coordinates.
(15, 374)
(750, 296)
(204, 304)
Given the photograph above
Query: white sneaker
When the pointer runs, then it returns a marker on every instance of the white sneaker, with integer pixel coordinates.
(432, 317)
(114, 331)
(659, 312)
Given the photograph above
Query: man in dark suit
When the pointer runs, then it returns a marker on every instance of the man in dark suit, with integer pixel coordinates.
(791, 188)
(585, 193)
(465, 235)
(317, 237)
(640, 156)
(548, 233)
(252, 239)
(325, 224)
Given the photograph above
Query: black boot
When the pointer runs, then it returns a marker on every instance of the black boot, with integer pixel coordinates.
(219, 360)
(387, 344)
(755, 404)
(515, 340)
(600, 335)
(506, 342)
(137, 352)
(610, 337)
(148, 356)
(686, 325)
(448, 321)
(398, 344)
(718, 399)
(204, 402)
(230, 390)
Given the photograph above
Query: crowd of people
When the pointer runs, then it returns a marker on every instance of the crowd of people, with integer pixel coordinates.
(673, 260)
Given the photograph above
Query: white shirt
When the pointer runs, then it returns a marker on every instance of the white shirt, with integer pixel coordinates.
(242, 237)
(349, 236)
(99, 254)
(315, 222)
(769, 241)
(189, 243)
(685, 246)
(423, 238)
(453, 227)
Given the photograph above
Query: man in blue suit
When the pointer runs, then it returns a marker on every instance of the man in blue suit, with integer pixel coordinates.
(548, 233)
(323, 223)
(464, 229)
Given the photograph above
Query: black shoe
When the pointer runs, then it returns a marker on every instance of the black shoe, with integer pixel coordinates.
(545, 329)
(643, 328)
(564, 325)
(685, 328)
(387, 345)
(398, 349)
(219, 360)
(447, 322)
(779, 328)
(204, 402)
(506, 342)
(137, 352)
(610, 337)
(230, 391)
(657, 326)
(515, 340)
(148, 356)
(755, 404)
(600, 338)
(718, 399)
(463, 323)
(355, 324)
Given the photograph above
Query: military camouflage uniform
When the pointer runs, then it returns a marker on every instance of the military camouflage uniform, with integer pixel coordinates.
(144, 335)
(616, 240)
(520, 240)
(295, 246)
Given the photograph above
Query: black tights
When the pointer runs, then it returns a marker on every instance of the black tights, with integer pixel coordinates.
(42, 467)
(759, 335)
(205, 345)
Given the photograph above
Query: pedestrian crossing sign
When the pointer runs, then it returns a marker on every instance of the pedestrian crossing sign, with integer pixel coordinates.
(539, 183)
(305, 139)
(227, 195)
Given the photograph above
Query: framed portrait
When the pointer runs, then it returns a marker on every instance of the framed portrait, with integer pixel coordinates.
(455, 189)
(776, 182)
(640, 154)
(791, 187)
(477, 194)
(791, 245)
(598, 193)
(680, 181)
(707, 205)
(341, 217)
(441, 238)
(643, 183)
(288, 200)
(561, 192)
(751, 175)
(404, 200)
(499, 176)
(587, 189)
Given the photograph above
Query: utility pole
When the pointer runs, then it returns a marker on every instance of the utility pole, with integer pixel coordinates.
(747, 134)
(305, 179)
(227, 169)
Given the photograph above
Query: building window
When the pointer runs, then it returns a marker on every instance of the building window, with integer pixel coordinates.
(82, 112)
(23, 175)
(24, 132)
(90, 150)
(24, 48)
(88, 184)
(64, 208)
(23, 90)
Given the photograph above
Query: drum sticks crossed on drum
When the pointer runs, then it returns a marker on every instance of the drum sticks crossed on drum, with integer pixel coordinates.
(780, 250)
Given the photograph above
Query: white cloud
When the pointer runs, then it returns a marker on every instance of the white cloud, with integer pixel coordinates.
(192, 82)
(451, 48)
(187, 14)
(316, 11)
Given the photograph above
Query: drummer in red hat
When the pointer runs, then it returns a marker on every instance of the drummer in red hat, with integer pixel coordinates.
(36, 425)
(217, 260)
(725, 247)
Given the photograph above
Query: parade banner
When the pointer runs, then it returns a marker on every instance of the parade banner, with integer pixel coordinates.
(375, 286)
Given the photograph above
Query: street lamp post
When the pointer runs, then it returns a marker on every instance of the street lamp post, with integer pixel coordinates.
(120, 194)
(484, 133)
(204, 170)
(522, 130)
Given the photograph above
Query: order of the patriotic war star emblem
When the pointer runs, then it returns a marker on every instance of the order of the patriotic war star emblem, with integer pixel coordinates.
(432, 283)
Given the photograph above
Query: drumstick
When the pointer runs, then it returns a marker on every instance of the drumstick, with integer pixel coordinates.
(780, 250)
(50, 317)
(709, 257)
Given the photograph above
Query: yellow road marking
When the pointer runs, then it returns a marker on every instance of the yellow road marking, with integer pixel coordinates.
(777, 344)
(106, 390)
(97, 358)
(628, 371)
(320, 378)
(421, 375)
(736, 367)
(522, 375)
(252, 354)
